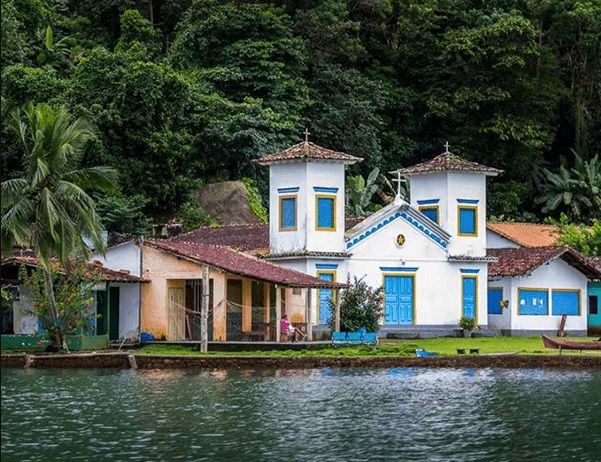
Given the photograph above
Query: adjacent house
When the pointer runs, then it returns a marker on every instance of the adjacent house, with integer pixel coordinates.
(114, 313)
(246, 295)
(526, 237)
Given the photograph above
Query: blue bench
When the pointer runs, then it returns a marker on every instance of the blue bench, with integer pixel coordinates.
(354, 338)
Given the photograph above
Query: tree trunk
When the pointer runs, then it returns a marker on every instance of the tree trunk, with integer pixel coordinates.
(60, 341)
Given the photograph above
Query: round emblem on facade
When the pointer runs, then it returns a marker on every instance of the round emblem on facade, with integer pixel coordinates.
(400, 239)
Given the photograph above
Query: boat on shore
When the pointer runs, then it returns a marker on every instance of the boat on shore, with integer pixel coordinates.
(569, 344)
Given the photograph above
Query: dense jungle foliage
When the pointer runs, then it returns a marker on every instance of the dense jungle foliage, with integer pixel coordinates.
(186, 92)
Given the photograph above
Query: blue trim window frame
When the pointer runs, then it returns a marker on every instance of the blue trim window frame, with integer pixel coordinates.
(533, 301)
(288, 219)
(324, 295)
(467, 220)
(565, 301)
(325, 212)
(430, 211)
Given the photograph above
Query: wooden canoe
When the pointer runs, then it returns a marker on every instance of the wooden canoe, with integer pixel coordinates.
(570, 345)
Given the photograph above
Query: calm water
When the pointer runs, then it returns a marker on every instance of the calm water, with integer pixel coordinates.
(290, 415)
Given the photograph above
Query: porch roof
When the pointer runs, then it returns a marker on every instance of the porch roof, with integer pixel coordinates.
(524, 260)
(241, 264)
(103, 272)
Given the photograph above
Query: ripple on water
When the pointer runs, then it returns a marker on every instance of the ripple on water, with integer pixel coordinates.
(335, 414)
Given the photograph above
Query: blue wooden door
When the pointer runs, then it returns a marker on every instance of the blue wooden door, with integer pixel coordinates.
(495, 295)
(469, 297)
(325, 295)
(398, 300)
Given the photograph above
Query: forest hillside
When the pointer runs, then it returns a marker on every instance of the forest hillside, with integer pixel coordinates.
(184, 93)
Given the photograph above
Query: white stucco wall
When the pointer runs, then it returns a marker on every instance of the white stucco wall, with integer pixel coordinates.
(306, 176)
(123, 256)
(496, 241)
(24, 323)
(129, 309)
(448, 188)
(555, 275)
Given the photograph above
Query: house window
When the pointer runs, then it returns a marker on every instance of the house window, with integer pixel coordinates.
(468, 220)
(533, 302)
(288, 213)
(565, 302)
(325, 209)
(431, 212)
(593, 304)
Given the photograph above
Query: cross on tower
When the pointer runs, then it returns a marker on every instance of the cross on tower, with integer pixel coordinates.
(398, 187)
(446, 148)
(307, 135)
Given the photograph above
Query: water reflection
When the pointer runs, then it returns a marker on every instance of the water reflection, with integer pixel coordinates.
(256, 414)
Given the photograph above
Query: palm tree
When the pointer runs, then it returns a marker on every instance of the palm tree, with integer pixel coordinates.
(48, 208)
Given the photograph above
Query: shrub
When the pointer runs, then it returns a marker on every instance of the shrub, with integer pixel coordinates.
(468, 323)
(360, 306)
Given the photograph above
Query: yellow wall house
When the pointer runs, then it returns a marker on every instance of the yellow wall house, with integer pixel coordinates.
(247, 295)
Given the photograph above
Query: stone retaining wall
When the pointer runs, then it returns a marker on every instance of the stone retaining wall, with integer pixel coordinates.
(129, 360)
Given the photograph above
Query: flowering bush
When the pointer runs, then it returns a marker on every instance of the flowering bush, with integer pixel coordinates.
(73, 298)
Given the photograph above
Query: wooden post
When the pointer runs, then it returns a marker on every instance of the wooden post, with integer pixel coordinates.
(204, 311)
(336, 309)
(278, 312)
(309, 316)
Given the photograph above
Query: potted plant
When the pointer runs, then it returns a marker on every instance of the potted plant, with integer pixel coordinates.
(468, 324)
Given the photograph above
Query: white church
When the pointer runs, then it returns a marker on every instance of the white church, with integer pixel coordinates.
(430, 254)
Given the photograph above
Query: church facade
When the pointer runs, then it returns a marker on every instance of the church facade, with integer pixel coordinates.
(429, 253)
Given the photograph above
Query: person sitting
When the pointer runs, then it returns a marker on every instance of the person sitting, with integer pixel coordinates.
(288, 329)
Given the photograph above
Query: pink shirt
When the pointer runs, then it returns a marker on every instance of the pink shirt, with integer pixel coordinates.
(285, 326)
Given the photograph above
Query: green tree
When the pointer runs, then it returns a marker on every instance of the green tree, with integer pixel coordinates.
(582, 237)
(48, 209)
(360, 193)
(360, 306)
(575, 191)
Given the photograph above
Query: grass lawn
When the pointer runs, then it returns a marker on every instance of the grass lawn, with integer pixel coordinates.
(442, 346)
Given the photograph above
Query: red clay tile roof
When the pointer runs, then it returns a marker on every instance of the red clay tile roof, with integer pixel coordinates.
(526, 234)
(240, 263)
(447, 162)
(104, 273)
(596, 261)
(307, 151)
(524, 260)
(252, 239)
(246, 238)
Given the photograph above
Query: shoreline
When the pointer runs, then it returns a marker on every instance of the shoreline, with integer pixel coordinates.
(129, 360)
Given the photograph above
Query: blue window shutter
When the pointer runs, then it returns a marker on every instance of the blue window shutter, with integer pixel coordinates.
(467, 221)
(325, 212)
(533, 302)
(495, 297)
(565, 302)
(431, 213)
(288, 213)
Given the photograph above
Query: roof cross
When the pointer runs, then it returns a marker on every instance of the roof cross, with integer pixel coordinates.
(307, 135)
(446, 148)
(398, 187)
